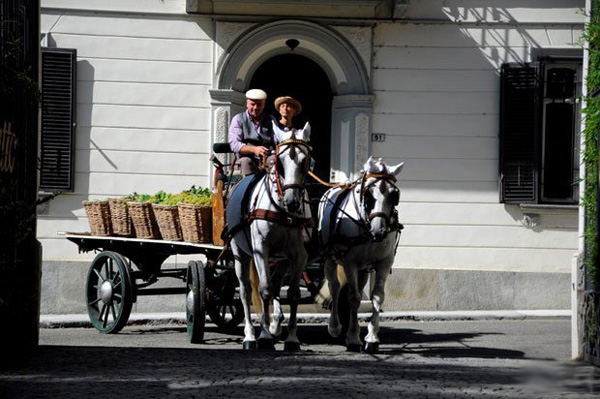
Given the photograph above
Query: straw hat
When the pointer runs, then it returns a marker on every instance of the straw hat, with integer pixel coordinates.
(290, 100)
(256, 94)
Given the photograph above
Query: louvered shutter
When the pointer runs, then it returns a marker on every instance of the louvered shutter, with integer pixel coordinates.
(58, 119)
(519, 128)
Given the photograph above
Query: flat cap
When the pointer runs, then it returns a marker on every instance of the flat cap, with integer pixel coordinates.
(256, 94)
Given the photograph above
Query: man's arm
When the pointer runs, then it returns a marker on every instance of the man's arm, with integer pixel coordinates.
(236, 133)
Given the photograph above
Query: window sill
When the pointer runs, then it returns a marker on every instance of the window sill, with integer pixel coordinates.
(532, 213)
(549, 208)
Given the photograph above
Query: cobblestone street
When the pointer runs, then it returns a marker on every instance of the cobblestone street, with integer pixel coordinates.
(459, 359)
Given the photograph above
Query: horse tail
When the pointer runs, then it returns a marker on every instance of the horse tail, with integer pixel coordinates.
(323, 297)
(256, 301)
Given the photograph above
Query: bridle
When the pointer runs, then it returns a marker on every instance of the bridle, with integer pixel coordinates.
(386, 179)
(364, 218)
(292, 145)
(275, 170)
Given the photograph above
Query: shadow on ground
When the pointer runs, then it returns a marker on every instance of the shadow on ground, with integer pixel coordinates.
(396, 341)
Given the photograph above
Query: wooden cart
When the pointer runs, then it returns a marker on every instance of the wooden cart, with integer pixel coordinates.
(125, 268)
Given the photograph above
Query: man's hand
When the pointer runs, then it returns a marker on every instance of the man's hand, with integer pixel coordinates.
(259, 151)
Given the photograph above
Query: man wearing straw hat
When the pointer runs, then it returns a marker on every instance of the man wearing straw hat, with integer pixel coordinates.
(251, 133)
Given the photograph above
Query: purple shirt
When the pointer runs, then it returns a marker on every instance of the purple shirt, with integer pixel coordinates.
(236, 132)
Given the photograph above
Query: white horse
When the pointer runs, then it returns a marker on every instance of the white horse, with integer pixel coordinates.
(359, 229)
(276, 216)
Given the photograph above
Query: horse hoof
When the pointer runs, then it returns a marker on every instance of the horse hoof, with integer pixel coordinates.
(249, 345)
(335, 332)
(266, 344)
(353, 348)
(276, 332)
(291, 346)
(372, 347)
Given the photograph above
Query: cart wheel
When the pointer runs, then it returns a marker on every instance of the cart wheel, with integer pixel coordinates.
(226, 316)
(195, 301)
(109, 292)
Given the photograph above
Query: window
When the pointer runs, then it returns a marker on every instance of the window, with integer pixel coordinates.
(58, 119)
(539, 132)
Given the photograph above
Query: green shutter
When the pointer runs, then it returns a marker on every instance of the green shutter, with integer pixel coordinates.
(519, 132)
(58, 119)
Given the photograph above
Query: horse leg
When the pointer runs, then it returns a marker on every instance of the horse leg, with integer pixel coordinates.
(265, 339)
(382, 270)
(277, 275)
(242, 270)
(277, 320)
(353, 343)
(291, 342)
(334, 327)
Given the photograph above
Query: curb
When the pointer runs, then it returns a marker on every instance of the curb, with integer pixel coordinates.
(82, 320)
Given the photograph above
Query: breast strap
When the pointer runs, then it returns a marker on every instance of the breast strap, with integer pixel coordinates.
(280, 218)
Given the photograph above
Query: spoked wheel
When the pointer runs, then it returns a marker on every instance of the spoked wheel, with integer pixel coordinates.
(109, 292)
(226, 315)
(195, 301)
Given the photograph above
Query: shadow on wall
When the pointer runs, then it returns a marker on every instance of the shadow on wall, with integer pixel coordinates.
(83, 141)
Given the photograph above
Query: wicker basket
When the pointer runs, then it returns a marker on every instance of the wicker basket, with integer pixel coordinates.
(144, 220)
(196, 223)
(98, 213)
(167, 218)
(121, 221)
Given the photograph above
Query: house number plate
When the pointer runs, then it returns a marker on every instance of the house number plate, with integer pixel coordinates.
(378, 137)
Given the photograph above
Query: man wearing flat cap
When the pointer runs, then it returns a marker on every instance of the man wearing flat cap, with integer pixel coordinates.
(251, 134)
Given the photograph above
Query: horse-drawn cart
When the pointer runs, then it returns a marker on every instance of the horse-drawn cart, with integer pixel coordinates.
(268, 222)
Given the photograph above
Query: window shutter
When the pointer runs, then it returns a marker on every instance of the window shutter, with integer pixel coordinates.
(518, 132)
(58, 119)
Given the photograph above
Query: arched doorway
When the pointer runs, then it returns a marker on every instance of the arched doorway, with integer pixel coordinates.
(342, 75)
(304, 79)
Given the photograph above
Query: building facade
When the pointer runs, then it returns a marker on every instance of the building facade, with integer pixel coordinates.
(480, 100)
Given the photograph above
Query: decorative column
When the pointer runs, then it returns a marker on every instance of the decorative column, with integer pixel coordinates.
(350, 132)
(224, 105)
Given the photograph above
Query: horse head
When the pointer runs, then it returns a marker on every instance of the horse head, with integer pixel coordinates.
(292, 162)
(379, 196)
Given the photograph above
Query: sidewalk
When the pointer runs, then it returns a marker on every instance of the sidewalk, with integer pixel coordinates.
(82, 320)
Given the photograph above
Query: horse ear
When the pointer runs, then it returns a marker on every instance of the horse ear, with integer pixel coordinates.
(306, 131)
(278, 133)
(395, 170)
(276, 129)
(368, 166)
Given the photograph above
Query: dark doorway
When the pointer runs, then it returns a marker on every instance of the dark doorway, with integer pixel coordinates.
(299, 77)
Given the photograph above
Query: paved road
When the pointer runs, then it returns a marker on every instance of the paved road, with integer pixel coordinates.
(446, 359)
